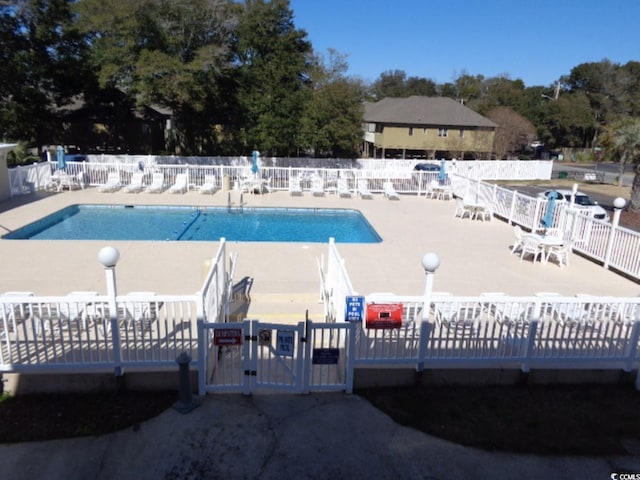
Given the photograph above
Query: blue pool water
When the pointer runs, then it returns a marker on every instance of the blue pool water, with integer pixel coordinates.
(100, 222)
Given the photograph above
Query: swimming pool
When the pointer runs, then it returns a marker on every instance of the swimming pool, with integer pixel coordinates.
(127, 222)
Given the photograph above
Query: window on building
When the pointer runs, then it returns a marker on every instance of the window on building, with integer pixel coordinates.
(411, 131)
(461, 133)
(443, 132)
(425, 130)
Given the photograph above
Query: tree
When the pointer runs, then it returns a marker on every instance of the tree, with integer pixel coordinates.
(624, 140)
(272, 70)
(170, 53)
(332, 121)
(42, 55)
(514, 132)
(394, 83)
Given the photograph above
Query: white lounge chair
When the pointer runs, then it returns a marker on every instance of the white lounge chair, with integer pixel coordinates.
(112, 184)
(180, 185)
(317, 186)
(294, 186)
(209, 185)
(136, 184)
(363, 189)
(390, 191)
(343, 188)
(157, 184)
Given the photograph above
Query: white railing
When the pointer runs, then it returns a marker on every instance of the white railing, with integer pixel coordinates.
(507, 332)
(335, 285)
(95, 171)
(77, 333)
(217, 287)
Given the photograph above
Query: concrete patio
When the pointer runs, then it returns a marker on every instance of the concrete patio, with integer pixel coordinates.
(475, 255)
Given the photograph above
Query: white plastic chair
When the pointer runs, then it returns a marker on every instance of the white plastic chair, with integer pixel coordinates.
(294, 186)
(363, 189)
(390, 191)
(517, 243)
(343, 188)
(531, 246)
(157, 183)
(317, 186)
(209, 185)
(561, 253)
(180, 185)
(13, 313)
(112, 184)
(140, 311)
(461, 209)
(136, 184)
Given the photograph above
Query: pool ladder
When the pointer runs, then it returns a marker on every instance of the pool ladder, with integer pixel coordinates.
(230, 208)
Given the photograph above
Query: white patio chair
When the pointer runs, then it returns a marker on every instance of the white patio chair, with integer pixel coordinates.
(78, 310)
(531, 246)
(484, 213)
(363, 189)
(112, 184)
(157, 183)
(140, 311)
(343, 188)
(209, 185)
(431, 191)
(136, 184)
(390, 191)
(462, 210)
(517, 243)
(180, 185)
(14, 313)
(294, 186)
(444, 192)
(460, 319)
(561, 253)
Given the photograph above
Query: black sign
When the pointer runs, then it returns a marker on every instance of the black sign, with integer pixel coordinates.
(325, 356)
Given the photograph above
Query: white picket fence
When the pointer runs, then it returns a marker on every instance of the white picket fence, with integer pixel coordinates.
(82, 333)
(79, 332)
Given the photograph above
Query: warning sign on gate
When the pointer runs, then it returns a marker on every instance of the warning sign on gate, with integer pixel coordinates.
(227, 336)
(384, 315)
(284, 343)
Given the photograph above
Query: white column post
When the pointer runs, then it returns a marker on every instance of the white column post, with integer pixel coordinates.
(618, 205)
(430, 263)
(109, 257)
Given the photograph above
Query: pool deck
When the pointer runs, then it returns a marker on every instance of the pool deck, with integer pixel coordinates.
(475, 255)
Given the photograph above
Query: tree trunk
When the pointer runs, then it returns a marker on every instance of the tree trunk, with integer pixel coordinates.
(621, 165)
(634, 201)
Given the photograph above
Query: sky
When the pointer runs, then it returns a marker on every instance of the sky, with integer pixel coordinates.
(536, 41)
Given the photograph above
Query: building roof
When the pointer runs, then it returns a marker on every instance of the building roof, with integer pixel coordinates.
(417, 110)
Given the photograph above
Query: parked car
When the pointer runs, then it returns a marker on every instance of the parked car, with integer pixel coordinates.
(427, 167)
(581, 200)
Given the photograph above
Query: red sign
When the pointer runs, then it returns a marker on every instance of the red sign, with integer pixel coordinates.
(227, 336)
(384, 315)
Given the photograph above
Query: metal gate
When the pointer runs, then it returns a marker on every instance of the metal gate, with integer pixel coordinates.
(255, 356)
